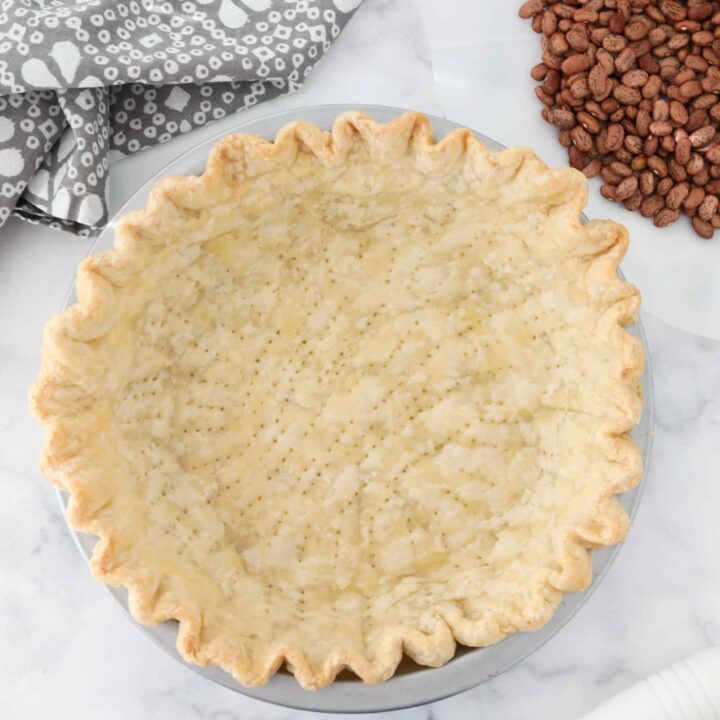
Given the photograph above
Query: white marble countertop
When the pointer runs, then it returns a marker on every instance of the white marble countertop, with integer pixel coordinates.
(67, 651)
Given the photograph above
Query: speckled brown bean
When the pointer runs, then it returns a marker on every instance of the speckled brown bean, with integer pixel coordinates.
(703, 228)
(702, 11)
(592, 169)
(608, 192)
(620, 169)
(634, 201)
(549, 22)
(658, 166)
(661, 128)
(646, 182)
(626, 188)
(595, 111)
(690, 89)
(649, 64)
(676, 195)
(606, 60)
(664, 186)
(617, 23)
(683, 148)
(678, 112)
(626, 95)
(650, 146)
(598, 81)
(638, 28)
(558, 45)
(623, 7)
(614, 43)
(697, 119)
(667, 143)
(589, 122)
(695, 164)
(576, 158)
(530, 8)
(578, 39)
(567, 98)
(552, 81)
(633, 144)
(544, 98)
(683, 76)
(687, 26)
(667, 75)
(708, 207)
(563, 11)
(614, 137)
(551, 60)
(642, 122)
(711, 55)
(703, 136)
(702, 38)
(563, 119)
(576, 64)
(697, 63)
(623, 156)
(694, 199)
(704, 101)
(652, 87)
(651, 206)
(702, 178)
(625, 60)
(660, 111)
(581, 139)
(677, 171)
(713, 154)
(579, 87)
(539, 72)
(609, 176)
(673, 10)
(640, 48)
(666, 217)
(598, 34)
(678, 41)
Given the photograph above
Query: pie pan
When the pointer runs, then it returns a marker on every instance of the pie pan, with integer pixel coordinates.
(411, 685)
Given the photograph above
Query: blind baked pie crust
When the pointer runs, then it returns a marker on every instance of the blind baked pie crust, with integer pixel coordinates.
(347, 395)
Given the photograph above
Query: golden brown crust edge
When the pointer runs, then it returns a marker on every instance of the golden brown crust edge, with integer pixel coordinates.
(58, 395)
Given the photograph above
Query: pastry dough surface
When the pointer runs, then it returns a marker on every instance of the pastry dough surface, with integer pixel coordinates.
(349, 395)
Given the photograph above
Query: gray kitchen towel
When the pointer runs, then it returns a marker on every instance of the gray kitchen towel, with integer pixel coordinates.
(84, 82)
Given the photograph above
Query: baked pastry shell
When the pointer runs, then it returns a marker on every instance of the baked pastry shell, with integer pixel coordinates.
(85, 321)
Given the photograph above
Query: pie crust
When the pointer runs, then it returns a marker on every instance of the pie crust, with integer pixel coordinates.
(345, 396)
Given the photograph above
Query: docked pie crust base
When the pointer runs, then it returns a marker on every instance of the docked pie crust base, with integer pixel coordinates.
(346, 396)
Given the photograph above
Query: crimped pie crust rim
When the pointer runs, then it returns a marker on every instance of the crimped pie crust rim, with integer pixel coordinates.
(167, 206)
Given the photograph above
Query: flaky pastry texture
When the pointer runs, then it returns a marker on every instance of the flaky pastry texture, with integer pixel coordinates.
(347, 395)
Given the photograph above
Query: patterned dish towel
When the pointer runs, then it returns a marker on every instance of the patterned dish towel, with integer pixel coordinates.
(82, 82)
